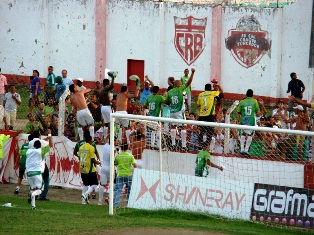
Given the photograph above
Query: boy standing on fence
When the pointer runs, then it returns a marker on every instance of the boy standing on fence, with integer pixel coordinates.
(247, 109)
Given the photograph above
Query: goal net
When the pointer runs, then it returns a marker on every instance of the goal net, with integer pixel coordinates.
(261, 173)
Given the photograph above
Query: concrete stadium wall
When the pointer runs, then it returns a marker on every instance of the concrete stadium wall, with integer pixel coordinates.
(240, 169)
(87, 36)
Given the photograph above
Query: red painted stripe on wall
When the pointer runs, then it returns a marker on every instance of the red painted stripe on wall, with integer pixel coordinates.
(100, 37)
(216, 43)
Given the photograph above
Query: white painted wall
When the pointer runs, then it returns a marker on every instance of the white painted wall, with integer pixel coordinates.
(236, 78)
(240, 169)
(296, 31)
(147, 33)
(35, 34)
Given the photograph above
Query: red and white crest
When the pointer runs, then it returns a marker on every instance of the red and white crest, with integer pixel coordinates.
(189, 37)
(248, 43)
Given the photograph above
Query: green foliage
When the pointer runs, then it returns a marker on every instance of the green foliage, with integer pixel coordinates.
(55, 217)
(23, 109)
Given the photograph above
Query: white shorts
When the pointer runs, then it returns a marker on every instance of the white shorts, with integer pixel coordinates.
(248, 132)
(177, 115)
(35, 181)
(105, 111)
(84, 117)
(104, 175)
(124, 122)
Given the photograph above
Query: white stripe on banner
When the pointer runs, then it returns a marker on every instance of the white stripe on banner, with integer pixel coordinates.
(232, 199)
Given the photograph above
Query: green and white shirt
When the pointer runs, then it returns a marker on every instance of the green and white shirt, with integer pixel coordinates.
(154, 103)
(175, 96)
(248, 107)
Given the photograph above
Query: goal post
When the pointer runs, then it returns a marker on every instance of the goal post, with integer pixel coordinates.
(273, 183)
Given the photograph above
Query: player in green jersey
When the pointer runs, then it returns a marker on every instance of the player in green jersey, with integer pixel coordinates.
(154, 102)
(174, 99)
(247, 109)
(184, 80)
(203, 161)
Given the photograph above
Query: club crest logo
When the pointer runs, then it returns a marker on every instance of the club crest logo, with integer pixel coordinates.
(189, 37)
(248, 42)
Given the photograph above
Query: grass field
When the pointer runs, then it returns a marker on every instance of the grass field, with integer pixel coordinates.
(56, 217)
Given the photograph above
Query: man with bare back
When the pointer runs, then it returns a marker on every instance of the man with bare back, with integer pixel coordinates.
(83, 116)
(122, 102)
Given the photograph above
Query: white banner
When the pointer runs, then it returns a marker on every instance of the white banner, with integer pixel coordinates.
(6, 163)
(63, 166)
(229, 198)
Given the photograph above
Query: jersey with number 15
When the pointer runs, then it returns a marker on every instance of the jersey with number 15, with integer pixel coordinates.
(248, 107)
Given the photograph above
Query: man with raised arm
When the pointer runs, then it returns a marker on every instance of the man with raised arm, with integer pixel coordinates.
(104, 98)
(122, 102)
(174, 99)
(84, 116)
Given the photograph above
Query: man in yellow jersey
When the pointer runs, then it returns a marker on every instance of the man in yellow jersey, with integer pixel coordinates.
(206, 102)
(86, 154)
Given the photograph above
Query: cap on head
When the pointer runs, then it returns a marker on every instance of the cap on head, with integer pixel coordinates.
(80, 79)
(299, 107)
(214, 80)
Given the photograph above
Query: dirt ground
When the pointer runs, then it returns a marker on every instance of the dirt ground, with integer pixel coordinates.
(74, 196)
(54, 193)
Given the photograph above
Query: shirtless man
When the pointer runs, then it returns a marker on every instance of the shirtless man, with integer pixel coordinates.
(302, 121)
(84, 116)
(104, 98)
(122, 102)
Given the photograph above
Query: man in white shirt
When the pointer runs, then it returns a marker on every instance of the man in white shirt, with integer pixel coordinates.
(65, 79)
(34, 167)
(282, 114)
(11, 101)
(3, 87)
(45, 148)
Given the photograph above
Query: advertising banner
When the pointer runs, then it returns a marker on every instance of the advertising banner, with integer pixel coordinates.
(150, 190)
(285, 205)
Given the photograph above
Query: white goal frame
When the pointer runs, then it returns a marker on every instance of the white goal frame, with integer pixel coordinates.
(114, 116)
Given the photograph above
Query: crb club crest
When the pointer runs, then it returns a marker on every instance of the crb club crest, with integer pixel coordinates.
(248, 43)
(189, 37)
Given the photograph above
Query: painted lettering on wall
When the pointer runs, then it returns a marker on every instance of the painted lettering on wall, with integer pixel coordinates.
(248, 42)
(189, 37)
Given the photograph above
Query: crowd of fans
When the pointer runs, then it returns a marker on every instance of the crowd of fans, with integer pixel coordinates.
(174, 102)
(87, 119)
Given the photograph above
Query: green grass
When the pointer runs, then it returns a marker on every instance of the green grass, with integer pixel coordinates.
(23, 109)
(55, 217)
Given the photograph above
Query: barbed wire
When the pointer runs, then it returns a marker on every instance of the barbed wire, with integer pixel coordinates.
(241, 3)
